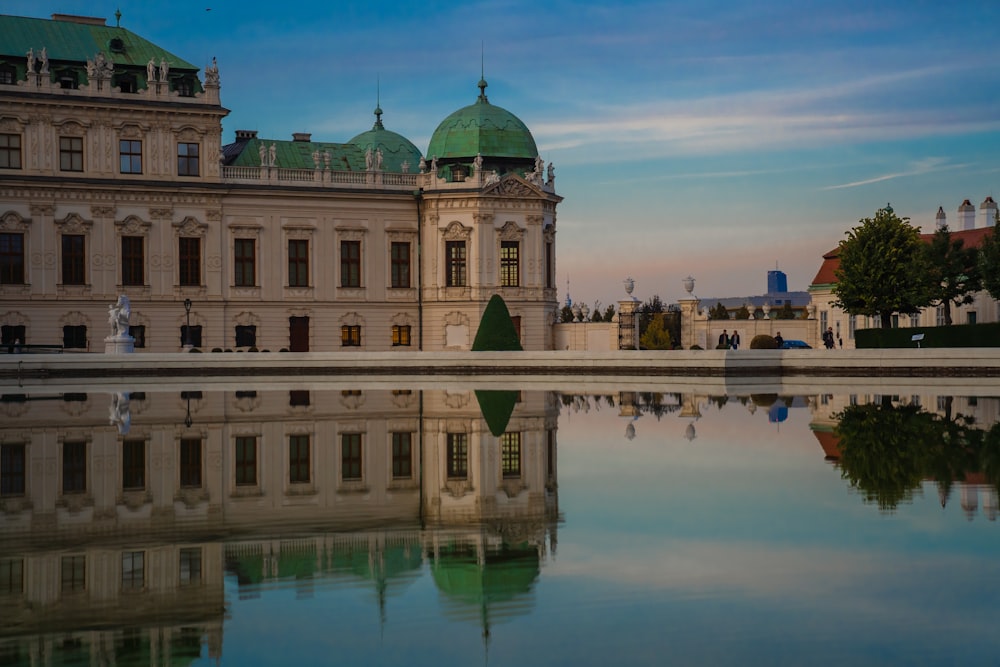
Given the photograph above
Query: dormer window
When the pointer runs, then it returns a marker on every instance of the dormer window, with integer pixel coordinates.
(127, 83)
(67, 79)
(8, 75)
(116, 45)
(184, 87)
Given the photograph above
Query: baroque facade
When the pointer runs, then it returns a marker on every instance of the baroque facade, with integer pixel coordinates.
(115, 181)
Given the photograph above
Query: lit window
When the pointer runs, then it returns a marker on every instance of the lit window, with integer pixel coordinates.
(400, 335)
(510, 263)
(458, 455)
(350, 335)
(510, 454)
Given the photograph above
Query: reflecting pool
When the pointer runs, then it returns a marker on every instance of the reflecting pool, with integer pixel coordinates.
(482, 525)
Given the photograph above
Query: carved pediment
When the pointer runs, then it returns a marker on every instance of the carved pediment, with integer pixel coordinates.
(13, 222)
(511, 232)
(512, 185)
(456, 231)
(133, 225)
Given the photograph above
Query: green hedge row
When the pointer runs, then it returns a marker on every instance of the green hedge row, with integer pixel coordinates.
(957, 335)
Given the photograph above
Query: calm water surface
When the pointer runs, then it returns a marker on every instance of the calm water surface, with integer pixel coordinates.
(332, 526)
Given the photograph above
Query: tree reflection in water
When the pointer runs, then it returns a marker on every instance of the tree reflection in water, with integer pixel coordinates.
(887, 450)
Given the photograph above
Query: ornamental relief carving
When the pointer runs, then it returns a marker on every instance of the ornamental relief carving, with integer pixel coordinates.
(351, 233)
(455, 231)
(74, 224)
(11, 221)
(512, 185)
(511, 232)
(47, 210)
(400, 235)
(161, 212)
(483, 218)
(101, 211)
(213, 262)
(133, 225)
(534, 219)
(213, 215)
(190, 226)
(70, 127)
(13, 125)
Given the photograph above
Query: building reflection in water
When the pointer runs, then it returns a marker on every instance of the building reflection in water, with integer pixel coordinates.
(119, 525)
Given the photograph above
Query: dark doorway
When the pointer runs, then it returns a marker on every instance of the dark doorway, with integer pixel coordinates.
(298, 334)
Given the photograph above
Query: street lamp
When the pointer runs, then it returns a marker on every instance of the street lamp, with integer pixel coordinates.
(187, 329)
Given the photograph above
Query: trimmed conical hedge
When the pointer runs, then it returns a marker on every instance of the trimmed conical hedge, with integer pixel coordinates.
(497, 406)
(496, 329)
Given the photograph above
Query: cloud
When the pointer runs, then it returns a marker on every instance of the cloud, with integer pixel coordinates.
(920, 167)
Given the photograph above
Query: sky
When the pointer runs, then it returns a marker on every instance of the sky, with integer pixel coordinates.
(713, 139)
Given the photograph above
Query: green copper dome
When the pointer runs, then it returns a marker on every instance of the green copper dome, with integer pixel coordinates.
(399, 155)
(482, 129)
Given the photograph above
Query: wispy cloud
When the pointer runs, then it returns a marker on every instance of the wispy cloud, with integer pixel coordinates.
(918, 168)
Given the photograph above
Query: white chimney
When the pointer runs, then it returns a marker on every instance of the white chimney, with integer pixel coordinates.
(941, 219)
(966, 215)
(987, 212)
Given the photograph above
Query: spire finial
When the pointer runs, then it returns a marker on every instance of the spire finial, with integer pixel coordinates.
(378, 104)
(118, 17)
(482, 75)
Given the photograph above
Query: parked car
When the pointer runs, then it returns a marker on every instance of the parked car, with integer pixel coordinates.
(795, 345)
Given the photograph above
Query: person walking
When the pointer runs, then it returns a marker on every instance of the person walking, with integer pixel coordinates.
(734, 340)
(724, 339)
(828, 338)
(779, 340)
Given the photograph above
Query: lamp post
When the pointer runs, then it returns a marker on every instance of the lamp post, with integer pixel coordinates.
(187, 329)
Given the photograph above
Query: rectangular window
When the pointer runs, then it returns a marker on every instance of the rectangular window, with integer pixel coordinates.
(138, 332)
(298, 397)
(130, 156)
(191, 463)
(133, 465)
(246, 335)
(10, 151)
(74, 467)
(133, 570)
(822, 321)
(74, 573)
(12, 475)
(350, 456)
(852, 325)
(298, 459)
(191, 335)
(246, 461)
(70, 153)
(402, 455)
(970, 317)
(939, 316)
(244, 262)
(190, 565)
(550, 454)
(189, 261)
(12, 334)
(11, 576)
(454, 264)
(914, 321)
(400, 261)
(75, 337)
(400, 335)
(458, 455)
(510, 455)
(550, 278)
(73, 259)
(133, 260)
(350, 335)
(11, 258)
(298, 263)
(187, 159)
(510, 263)
(350, 263)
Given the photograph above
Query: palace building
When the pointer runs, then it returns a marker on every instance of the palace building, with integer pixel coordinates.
(114, 180)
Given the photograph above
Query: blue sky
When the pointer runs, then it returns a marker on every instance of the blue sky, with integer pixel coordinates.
(716, 139)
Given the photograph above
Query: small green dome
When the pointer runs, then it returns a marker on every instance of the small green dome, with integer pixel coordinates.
(399, 155)
(482, 129)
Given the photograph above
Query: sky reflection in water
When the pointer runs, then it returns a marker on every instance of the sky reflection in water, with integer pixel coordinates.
(718, 532)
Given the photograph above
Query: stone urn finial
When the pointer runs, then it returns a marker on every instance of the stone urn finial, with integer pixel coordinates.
(584, 312)
(688, 284)
(576, 312)
(629, 285)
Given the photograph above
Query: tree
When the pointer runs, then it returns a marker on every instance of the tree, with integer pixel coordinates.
(609, 313)
(656, 336)
(496, 332)
(786, 312)
(718, 312)
(955, 275)
(595, 313)
(884, 269)
(566, 314)
(652, 307)
(742, 313)
(989, 261)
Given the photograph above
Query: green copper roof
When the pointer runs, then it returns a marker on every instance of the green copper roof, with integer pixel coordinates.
(68, 41)
(482, 129)
(399, 155)
(299, 155)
